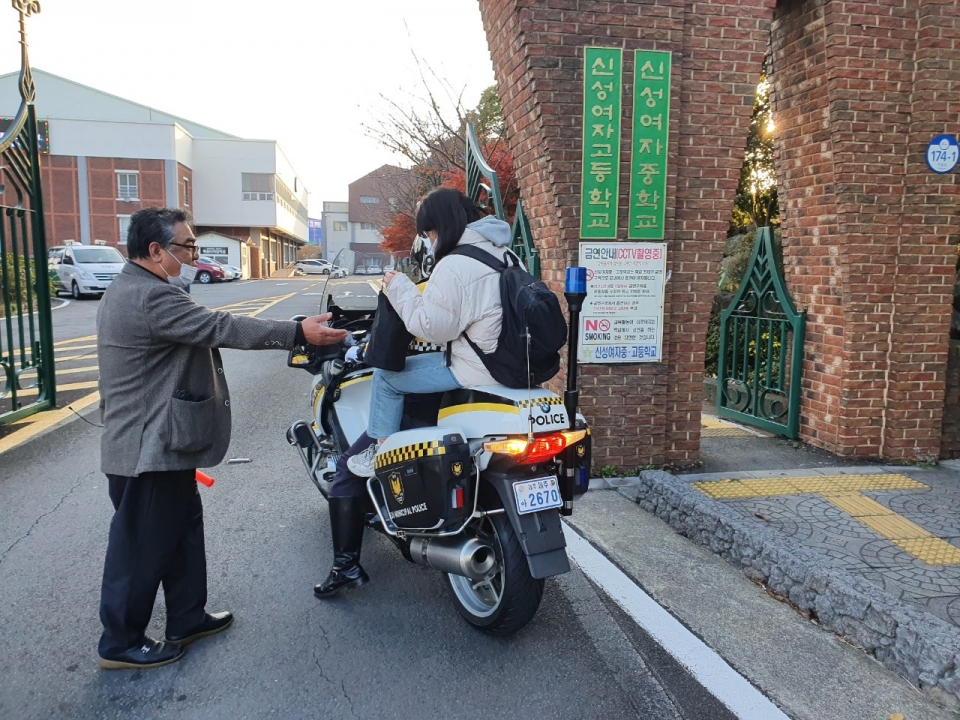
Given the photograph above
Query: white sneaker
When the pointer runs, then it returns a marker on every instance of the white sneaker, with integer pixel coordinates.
(362, 464)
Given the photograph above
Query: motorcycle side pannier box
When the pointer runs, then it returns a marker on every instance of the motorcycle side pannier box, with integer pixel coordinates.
(427, 478)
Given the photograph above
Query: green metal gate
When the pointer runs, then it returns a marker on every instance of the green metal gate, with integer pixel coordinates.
(26, 332)
(483, 178)
(761, 348)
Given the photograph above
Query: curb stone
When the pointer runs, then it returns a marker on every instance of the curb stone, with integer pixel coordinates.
(922, 648)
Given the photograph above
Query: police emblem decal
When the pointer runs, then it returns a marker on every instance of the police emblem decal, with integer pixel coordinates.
(581, 450)
(396, 486)
(457, 468)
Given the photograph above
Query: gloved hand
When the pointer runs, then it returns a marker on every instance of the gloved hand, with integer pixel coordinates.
(354, 354)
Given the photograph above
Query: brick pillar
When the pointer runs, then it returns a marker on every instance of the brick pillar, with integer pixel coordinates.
(646, 413)
(859, 90)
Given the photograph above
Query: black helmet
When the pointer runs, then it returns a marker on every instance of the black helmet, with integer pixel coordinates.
(421, 258)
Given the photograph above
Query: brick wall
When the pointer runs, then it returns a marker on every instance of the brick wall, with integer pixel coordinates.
(61, 203)
(184, 191)
(647, 413)
(859, 89)
(104, 205)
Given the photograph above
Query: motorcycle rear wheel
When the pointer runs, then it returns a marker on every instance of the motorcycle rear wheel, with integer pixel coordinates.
(506, 602)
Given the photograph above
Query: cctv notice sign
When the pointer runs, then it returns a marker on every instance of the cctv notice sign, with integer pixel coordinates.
(622, 318)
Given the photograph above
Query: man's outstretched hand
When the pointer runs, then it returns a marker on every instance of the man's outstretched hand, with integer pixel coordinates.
(317, 333)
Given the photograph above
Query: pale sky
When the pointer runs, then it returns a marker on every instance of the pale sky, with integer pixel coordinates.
(307, 73)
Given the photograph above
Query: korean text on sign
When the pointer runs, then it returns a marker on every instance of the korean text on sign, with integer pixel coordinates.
(651, 134)
(600, 174)
(622, 317)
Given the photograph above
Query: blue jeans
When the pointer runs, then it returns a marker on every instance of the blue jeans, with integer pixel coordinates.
(425, 373)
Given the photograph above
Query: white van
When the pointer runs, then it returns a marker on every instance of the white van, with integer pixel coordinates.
(83, 269)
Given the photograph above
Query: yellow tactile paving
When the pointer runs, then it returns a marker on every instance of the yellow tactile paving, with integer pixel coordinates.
(894, 527)
(713, 423)
(854, 483)
(712, 427)
(931, 550)
(729, 489)
(845, 493)
(725, 432)
(856, 505)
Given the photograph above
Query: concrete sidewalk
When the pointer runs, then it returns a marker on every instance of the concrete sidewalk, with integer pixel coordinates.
(870, 552)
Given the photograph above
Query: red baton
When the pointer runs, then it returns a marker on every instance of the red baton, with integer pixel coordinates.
(204, 479)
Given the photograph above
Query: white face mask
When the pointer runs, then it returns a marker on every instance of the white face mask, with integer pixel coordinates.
(188, 273)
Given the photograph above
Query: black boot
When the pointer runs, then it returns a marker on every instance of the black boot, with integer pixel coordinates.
(346, 524)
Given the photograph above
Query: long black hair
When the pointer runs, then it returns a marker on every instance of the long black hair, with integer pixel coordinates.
(448, 212)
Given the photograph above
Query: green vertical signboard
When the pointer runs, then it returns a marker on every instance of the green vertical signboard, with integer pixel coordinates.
(651, 133)
(600, 173)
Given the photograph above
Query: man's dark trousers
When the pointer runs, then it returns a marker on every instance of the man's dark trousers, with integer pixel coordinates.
(156, 536)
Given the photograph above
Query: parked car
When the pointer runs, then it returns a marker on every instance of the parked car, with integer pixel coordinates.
(237, 272)
(338, 272)
(208, 271)
(314, 267)
(83, 269)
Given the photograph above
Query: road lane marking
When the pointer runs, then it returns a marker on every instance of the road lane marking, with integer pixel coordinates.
(26, 392)
(40, 422)
(845, 492)
(270, 305)
(45, 421)
(79, 339)
(709, 669)
(85, 356)
(74, 371)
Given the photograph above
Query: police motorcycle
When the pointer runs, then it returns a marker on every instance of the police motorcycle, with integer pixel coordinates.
(479, 493)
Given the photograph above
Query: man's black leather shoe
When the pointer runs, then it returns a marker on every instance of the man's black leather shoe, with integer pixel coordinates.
(148, 654)
(211, 625)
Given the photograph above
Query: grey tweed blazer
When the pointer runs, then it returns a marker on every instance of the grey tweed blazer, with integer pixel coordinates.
(154, 341)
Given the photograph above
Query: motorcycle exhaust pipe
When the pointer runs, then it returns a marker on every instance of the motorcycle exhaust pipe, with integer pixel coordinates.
(470, 558)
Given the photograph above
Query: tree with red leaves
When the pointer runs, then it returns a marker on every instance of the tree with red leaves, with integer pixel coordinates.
(435, 147)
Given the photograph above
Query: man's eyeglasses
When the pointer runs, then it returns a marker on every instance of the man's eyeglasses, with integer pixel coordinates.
(192, 248)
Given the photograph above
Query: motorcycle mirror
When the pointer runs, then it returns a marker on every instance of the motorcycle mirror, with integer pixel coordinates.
(323, 292)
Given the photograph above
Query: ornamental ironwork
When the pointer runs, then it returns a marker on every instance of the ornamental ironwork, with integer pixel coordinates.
(26, 332)
(761, 348)
(482, 180)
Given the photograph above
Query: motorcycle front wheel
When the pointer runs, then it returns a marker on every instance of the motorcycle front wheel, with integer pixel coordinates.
(506, 602)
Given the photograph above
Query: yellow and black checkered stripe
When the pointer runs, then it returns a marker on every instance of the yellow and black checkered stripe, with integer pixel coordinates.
(423, 346)
(533, 402)
(410, 452)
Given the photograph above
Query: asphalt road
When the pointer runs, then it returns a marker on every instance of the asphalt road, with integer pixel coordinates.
(395, 648)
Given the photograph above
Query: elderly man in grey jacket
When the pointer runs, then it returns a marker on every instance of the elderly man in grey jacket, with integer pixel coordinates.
(166, 412)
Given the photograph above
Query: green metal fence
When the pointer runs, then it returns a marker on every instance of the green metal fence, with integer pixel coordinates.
(26, 332)
(761, 349)
(481, 178)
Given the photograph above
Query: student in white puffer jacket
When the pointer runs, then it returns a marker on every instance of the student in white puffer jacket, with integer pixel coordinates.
(463, 296)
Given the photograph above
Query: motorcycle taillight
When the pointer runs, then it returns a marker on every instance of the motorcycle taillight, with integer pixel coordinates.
(535, 450)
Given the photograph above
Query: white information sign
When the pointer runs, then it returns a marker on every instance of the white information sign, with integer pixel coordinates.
(622, 317)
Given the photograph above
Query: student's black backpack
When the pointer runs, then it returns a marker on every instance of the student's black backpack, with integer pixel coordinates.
(532, 320)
